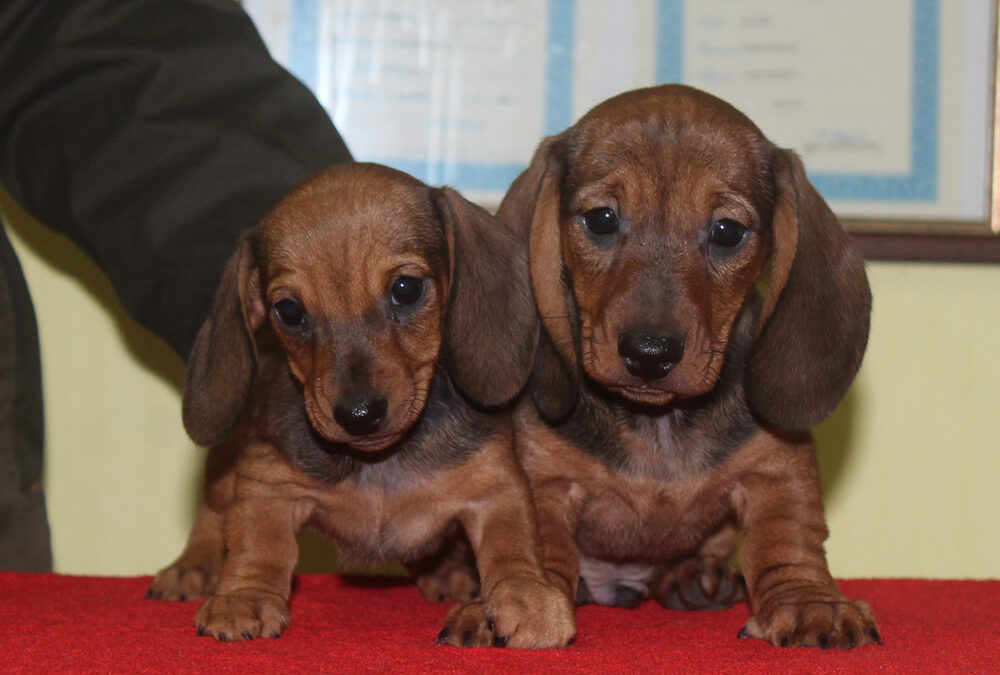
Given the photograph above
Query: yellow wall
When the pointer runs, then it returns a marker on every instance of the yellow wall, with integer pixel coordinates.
(121, 477)
(910, 460)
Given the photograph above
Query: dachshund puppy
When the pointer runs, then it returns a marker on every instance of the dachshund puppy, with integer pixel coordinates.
(703, 308)
(342, 375)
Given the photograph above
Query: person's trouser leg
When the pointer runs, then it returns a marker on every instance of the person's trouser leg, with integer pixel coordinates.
(24, 529)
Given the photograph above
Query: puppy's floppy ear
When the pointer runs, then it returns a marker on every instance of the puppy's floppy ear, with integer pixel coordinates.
(223, 361)
(814, 324)
(490, 331)
(532, 206)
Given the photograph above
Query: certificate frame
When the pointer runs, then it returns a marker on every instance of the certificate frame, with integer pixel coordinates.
(938, 233)
(966, 241)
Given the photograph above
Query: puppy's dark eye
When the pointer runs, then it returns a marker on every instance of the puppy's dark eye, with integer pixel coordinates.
(290, 312)
(406, 291)
(727, 234)
(600, 221)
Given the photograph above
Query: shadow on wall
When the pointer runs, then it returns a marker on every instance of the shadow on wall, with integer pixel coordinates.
(62, 255)
(834, 441)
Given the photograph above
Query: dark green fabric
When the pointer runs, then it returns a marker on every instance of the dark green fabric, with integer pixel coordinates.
(24, 532)
(152, 133)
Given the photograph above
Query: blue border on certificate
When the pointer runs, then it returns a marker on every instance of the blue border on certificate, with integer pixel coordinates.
(480, 176)
(921, 183)
(303, 51)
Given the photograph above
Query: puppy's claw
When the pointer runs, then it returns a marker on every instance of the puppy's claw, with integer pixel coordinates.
(442, 637)
(815, 622)
(743, 634)
(500, 640)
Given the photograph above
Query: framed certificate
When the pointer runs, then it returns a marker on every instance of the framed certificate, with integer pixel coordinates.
(889, 103)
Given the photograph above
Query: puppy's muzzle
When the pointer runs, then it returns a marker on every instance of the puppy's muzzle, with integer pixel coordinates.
(361, 414)
(650, 357)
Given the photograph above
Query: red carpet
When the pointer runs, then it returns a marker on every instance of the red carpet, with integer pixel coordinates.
(72, 625)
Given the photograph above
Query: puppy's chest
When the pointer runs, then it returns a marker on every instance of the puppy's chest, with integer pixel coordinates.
(663, 450)
(369, 523)
(635, 518)
(662, 500)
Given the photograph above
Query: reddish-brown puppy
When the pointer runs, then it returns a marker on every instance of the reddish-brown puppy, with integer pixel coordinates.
(703, 308)
(354, 340)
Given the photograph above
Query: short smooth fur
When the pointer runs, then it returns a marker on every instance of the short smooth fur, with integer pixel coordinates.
(343, 378)
(703, 309)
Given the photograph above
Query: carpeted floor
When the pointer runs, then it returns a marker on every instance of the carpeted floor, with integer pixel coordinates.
(65, 624)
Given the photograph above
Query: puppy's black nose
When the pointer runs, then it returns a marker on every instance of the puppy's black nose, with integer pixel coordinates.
(362, 415)
(650, 357)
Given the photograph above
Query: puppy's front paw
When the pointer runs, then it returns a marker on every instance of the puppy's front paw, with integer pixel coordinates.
(521, 614)
(529, 614)
(450, 581)
(243, 615)
(700, 584)
(184, 582)
(820, 621)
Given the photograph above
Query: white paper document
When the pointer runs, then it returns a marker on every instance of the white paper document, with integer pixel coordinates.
(887, 102)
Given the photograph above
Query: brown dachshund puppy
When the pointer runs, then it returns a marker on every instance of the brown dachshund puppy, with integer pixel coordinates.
(354, 340)
(703, 309)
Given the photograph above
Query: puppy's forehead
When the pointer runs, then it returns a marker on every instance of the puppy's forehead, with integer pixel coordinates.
(669, 131)
(352, 212)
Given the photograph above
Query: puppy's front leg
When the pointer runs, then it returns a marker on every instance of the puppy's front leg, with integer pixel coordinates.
(517, 607)
(194, 574)
(555, 509)
(557, 517)
(793, 598)
(251, 599)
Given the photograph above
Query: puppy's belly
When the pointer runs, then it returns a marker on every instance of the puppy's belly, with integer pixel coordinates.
(634, 542)
(607, 582)
(646, 527)
(368, 531)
